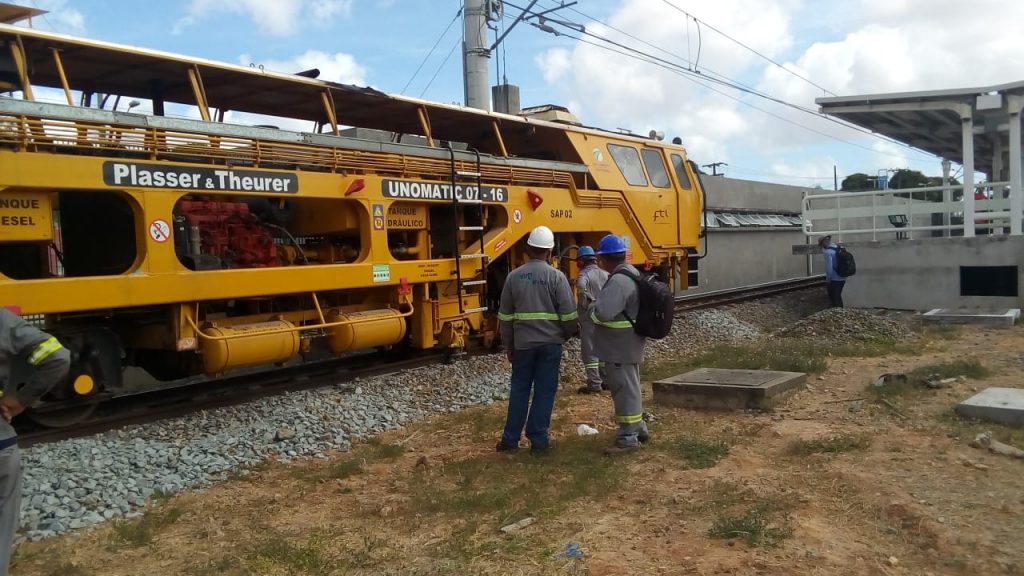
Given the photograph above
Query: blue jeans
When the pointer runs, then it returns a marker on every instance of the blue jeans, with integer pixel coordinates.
(534, 369)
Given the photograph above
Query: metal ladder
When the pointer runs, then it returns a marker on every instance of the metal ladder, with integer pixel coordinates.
(463, 207)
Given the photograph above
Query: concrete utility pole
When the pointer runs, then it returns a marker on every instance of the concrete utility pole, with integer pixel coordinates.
(475, 54)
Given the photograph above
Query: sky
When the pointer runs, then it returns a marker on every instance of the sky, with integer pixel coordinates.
(791, 50)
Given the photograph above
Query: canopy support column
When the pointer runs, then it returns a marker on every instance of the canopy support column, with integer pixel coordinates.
(967, 132)
(1016, 104)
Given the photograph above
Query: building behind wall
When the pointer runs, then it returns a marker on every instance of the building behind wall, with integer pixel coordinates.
(751, 229)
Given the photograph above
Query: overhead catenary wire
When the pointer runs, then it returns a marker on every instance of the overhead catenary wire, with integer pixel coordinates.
(431, 52)
(458, 41)
(693, 75)
(758, 53)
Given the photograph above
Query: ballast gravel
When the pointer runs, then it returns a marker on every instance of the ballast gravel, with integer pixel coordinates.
(81, 482)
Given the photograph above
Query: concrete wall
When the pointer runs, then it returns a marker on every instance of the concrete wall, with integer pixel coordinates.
(925, 274)
(744, 257)
(732, 193)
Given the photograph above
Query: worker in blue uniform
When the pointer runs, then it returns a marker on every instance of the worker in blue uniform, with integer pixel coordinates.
(618, 345)
(537, 315)
(589, 282)
(49, 361)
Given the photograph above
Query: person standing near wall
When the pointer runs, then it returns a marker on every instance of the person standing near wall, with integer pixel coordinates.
(834, 281)
(588, 286)
(537, 315)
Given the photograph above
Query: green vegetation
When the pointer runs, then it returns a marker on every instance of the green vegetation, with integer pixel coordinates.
(914, 383)
(513, 486)
(969, 367)
(141, 531)
(321, 553)
(696, 452)
(758, 526)
(830, 445)
(309, 557)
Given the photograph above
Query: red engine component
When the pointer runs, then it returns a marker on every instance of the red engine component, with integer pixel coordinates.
(230, 232)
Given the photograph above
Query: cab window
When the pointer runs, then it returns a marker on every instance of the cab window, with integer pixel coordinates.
(655, 167)
(628, 161)
(680, 168)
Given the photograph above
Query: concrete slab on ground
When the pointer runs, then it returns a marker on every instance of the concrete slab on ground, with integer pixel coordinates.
(997, 317)
(1003, 405)
(717, 389)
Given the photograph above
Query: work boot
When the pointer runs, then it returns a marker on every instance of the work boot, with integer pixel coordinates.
(539, 450)
(588, 390)
(617, 449)
(643, 438)
(502, 447)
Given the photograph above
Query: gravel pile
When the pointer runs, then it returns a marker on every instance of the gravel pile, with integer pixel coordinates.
(838, 325)
(84, 481)
(778, 312)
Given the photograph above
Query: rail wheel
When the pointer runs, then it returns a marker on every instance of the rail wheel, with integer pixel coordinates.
(96, 371)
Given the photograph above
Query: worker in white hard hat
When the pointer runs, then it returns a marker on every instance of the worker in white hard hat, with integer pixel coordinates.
(537, 315)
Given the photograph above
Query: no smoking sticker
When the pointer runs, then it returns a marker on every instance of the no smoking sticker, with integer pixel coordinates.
(159, 231)
(517, 215)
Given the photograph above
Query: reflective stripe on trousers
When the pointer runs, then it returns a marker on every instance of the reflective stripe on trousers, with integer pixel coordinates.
(624, 382)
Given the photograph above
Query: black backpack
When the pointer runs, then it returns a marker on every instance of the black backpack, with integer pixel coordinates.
(846, 266)
(657, 306)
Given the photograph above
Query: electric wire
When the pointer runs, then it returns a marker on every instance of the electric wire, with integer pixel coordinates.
(439, 68)
(725, 81)
(431, 52)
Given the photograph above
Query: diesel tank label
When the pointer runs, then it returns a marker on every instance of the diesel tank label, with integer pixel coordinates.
(222, 179)
(415, 190)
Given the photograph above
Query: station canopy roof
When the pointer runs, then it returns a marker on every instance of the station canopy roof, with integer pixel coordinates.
(931, 120)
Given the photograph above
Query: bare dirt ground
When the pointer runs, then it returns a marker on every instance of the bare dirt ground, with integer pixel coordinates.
(823, 484)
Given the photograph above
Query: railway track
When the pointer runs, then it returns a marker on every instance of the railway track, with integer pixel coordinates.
(745, 293)
(139, 408)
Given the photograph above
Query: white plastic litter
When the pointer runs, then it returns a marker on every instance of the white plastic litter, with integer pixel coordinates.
(585, 430)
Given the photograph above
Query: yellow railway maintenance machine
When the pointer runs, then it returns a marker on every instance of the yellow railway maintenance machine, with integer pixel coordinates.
(198, 246)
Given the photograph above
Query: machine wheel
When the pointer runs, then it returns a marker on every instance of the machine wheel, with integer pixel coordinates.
(96, 366)
(62, 417)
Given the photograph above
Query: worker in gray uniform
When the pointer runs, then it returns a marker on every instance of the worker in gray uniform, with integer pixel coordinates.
(588, 286)
(618, 345)
(537, 315)
(21, 342)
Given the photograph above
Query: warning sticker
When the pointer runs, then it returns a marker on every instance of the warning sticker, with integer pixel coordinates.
(381, 273)
(159, 231)
(517, 216)
(378, 216)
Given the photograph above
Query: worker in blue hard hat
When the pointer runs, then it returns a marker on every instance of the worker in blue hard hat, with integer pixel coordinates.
(537, 315)
(617, 344)
(588, 286)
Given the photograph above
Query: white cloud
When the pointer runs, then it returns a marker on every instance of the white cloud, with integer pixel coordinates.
(554, 64)
(275, 17)
(859, 47)
(338, 67)
(59, 18)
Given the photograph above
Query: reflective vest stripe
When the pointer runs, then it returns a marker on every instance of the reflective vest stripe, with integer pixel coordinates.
(538, 316)
(610, 323)
(631, 419)
(592, 365)
(43, 350)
